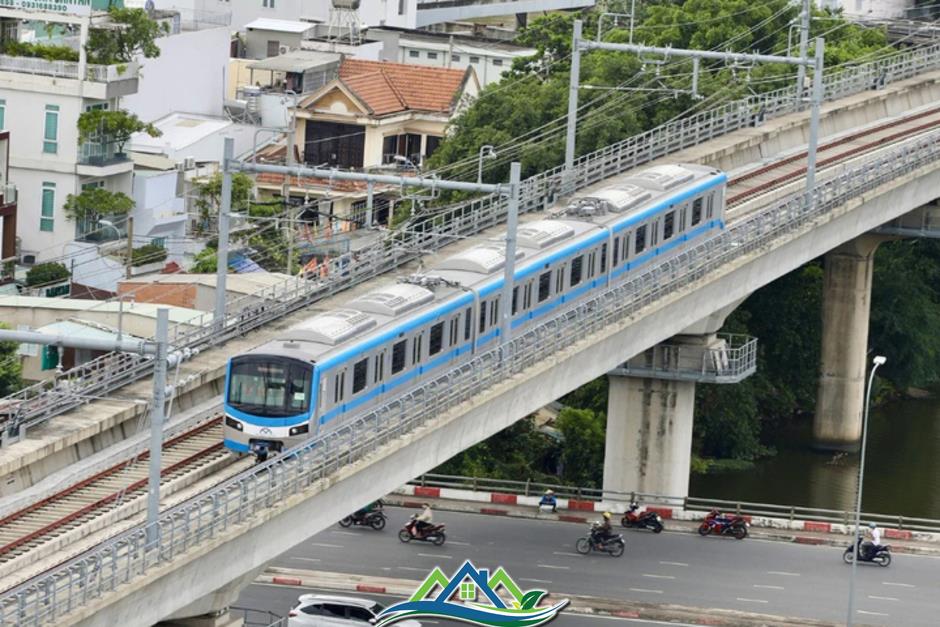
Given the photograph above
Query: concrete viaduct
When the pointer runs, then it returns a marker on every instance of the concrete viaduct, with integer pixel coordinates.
(203, 576)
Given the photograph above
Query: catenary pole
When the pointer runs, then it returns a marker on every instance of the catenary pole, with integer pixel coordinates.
(225, 210)
(804, 47)
(509, 268)
(814, 118)
(573, 85)
(156, 425)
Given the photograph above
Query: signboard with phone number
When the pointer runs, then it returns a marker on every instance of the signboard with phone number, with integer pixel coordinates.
(69, 7)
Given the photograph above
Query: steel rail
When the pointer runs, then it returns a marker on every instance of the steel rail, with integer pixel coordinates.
(252, 494)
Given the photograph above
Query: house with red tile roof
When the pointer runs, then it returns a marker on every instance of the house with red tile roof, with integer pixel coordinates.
(375, 111)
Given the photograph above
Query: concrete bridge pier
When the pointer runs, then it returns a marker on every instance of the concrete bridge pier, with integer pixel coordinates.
(213, 610)
(650, 409)
(846, 305)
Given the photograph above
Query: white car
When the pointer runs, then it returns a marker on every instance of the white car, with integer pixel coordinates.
(323, 610)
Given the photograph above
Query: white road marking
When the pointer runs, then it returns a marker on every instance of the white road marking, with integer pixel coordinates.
(455, 543)
(443, 557)
(647, 590)
(327, 546)
(306, 559)
(422, 570)
(534, 580)
(900, 585)
(644, 621)
(783, 573)
(871, 613)
(757, 585)
(344, 533)
(553, 566)
(872, 596)
(751, 600)
(674, 563)
(566, 553)
(658, 576)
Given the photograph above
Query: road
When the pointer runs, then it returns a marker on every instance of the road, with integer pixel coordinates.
(750, 575)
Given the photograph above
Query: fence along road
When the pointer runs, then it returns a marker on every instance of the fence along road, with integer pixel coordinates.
(36, 404)
(251, 498)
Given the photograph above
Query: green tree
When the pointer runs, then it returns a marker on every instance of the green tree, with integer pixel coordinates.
(582, 454)
(130, 34)
(517, 453)
(10, 367)
(207, 262)
(46, 273)
(116, 127)
(96, 202)
(148, 253)
(209, 195)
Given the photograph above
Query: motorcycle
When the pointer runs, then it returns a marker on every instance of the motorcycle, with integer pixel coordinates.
(881, 555)
(613, 545)
(433, 533)
(644, 520)
(717, 524)
(375, 519)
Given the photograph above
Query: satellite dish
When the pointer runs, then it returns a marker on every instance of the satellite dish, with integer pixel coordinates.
(149, 6)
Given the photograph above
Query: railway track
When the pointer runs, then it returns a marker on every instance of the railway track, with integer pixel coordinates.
(189, 455)
(783, 172)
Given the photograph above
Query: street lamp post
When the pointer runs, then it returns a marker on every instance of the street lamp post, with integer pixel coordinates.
(488, 152)
(877, 361)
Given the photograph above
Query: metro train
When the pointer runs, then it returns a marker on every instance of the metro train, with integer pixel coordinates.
(339, 363)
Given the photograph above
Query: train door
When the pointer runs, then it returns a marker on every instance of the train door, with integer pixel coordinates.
(378, 369)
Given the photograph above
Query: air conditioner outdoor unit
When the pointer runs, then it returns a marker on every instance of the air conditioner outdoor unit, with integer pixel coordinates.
(28, 259)
(189, 163)
(283, 50)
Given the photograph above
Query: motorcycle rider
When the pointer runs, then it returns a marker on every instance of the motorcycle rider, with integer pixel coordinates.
(548, 500)
(603, 531)
(424, 520)
(361, 514)
(869, 549)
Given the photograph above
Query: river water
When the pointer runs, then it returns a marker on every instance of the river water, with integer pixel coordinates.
(902, 470)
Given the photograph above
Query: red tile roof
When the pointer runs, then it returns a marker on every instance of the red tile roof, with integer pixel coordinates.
(393, 87)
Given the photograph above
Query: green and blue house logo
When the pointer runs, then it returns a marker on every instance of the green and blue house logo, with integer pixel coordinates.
(471, 595)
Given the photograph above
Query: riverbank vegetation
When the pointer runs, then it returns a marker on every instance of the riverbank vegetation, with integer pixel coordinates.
(734, 424)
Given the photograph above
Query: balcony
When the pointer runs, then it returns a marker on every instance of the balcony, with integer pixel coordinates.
(437, 11)
(106, 81)
(722, 358)
(7, 194)
(97, 158)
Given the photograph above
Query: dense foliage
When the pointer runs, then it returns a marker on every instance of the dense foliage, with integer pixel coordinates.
(115, 127)
(49, 52)
(10, 367)
(130, 35)
(46, 274)
(148, 253)
(96, 202)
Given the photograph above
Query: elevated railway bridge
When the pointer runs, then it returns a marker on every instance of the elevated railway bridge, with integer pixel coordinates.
(878, 163)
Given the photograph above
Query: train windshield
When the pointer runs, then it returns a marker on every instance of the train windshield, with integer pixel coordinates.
(270, 386)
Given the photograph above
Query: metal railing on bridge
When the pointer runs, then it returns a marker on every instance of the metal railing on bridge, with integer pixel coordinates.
(252, 495)
(730, 359)
(36, 404)
(690, 503)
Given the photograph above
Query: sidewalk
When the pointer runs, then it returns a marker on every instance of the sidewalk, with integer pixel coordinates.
(901, 541)
(585, 605)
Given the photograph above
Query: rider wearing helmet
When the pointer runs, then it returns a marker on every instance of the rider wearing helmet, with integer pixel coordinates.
(548, 500)
(424, 520)
(870, 548)
(603, 531)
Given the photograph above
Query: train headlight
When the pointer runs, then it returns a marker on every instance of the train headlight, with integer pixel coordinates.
(299, 429)
(234, 424)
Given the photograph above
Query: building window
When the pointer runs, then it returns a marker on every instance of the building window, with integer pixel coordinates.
(432, 55)
(497, 62)
(455, 58)
(3, 111)
(431, 144)
(331, 143)
(474, 59)
(274, 47)
(50, 142)
(413, 54)
(268, 4)
(46, 221)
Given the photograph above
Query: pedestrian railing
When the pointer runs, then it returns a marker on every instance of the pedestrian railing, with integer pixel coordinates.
(690, 503)
(250, 497)
(36, 404)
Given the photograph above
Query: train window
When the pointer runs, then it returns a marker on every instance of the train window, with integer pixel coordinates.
(454, 330)
(482, 316)
(339, 387)
(527, 297)
(639, 244)
(710, 210)
(654, 233)
(269, 388)
(604, 258)
(560, 280)
(378, 371)
(360, 375)
(613, 262)
(576, 267)
(682, 212)
(416, 350)
(592, 257)
(515, 300)
(545, 285)
(436, 339)
(696, 211)
(669, 225)
(398, 357)
(467, 322)
(494, 313)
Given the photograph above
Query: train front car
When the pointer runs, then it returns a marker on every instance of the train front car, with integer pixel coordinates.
(269, 403)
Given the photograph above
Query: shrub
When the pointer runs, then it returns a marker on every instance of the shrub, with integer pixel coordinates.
(148, 253)
(46, 273)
